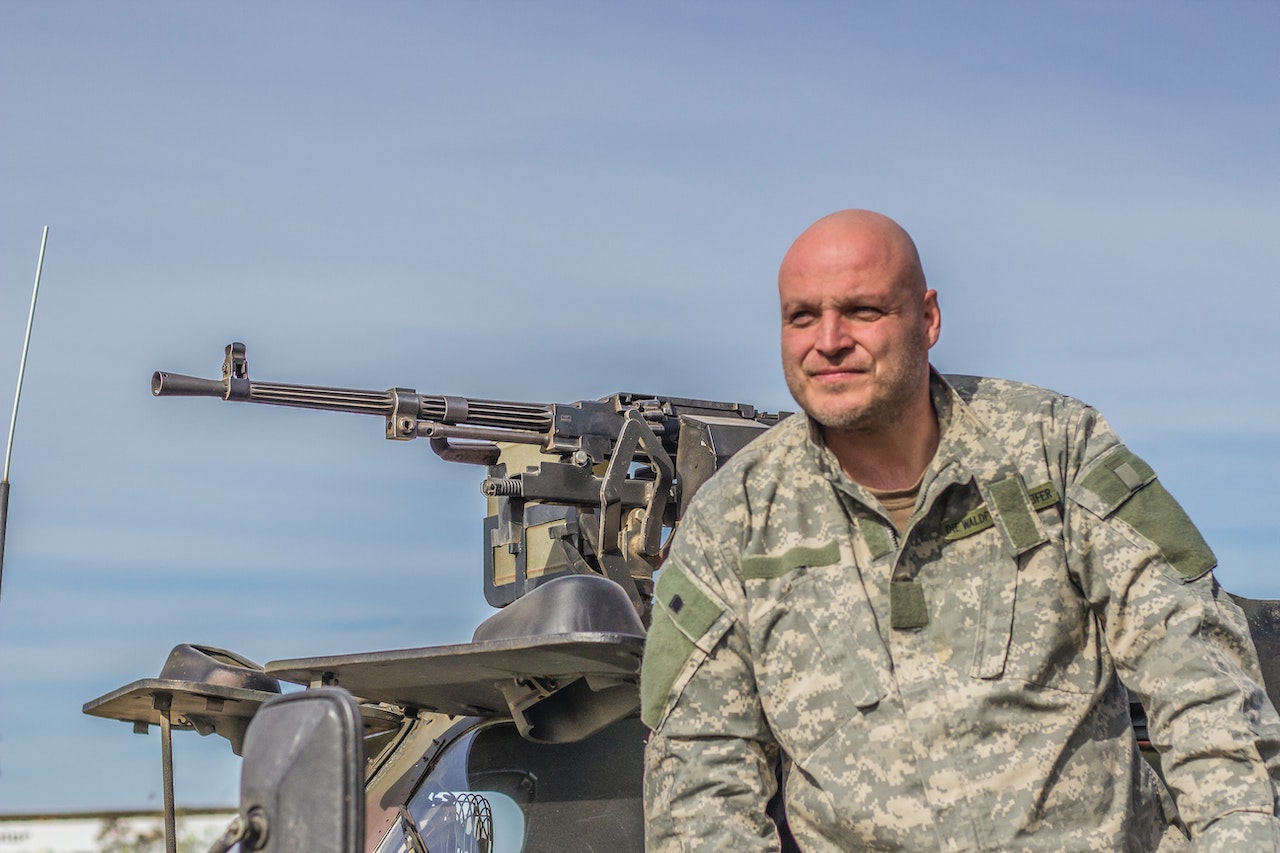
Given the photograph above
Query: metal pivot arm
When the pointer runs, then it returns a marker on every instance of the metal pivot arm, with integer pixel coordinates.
(635, 434)
(629, 537)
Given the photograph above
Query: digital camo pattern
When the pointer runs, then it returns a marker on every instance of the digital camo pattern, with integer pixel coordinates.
(991, 717)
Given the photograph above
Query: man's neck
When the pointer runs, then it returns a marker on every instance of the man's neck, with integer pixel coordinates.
(891, 457)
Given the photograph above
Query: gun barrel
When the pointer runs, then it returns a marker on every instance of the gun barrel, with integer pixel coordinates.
(493, 414)
(434, 409)
(351, 400)
(176, 385)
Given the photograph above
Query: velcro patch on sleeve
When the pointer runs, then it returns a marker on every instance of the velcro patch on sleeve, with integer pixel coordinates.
(1154, 513)
(1114, 478)
(1120, 485)
(686, 626)
(690, 605)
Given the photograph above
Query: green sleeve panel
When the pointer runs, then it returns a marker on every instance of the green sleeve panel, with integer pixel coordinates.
(1120, 485)
(688, 622)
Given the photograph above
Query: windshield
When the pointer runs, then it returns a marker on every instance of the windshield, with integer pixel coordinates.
(491, 791)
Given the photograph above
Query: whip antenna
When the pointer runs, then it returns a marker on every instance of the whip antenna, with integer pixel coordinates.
(22, 367)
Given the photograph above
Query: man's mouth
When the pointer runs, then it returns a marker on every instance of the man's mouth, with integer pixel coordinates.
(831, 374)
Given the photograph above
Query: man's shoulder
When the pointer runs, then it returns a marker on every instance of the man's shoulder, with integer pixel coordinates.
(988, 397)
(983, 388)
(1023, 418)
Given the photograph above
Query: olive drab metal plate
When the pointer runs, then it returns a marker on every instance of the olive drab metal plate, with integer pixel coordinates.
(468, 679)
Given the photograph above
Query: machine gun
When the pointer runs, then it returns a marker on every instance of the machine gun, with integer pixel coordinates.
(587, 488)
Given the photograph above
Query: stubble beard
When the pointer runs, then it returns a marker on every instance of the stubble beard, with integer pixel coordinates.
(892, 393)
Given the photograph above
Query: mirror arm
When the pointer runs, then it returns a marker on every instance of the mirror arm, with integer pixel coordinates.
(163, 702)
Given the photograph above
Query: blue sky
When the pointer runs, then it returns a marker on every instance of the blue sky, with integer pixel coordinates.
(554, 201)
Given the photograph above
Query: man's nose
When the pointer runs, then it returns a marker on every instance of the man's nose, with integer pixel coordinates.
(833, 336)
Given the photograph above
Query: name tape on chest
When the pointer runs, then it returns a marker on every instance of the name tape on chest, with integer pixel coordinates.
(1042, 497)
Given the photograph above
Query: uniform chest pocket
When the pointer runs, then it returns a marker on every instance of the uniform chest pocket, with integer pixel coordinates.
(1034, 623)
(820, 659)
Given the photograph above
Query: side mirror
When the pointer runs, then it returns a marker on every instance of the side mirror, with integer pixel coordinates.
(302, 782)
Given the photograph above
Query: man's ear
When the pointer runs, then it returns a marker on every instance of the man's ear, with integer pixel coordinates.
(932, 317)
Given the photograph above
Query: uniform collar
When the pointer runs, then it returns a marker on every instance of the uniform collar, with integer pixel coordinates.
(966, 449)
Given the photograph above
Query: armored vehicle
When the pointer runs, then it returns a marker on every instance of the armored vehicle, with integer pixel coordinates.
(528, 737)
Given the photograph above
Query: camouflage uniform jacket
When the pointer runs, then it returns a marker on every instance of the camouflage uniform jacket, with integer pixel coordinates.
(954, 688)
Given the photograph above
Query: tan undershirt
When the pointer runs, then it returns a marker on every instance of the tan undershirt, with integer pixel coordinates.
(899, 502)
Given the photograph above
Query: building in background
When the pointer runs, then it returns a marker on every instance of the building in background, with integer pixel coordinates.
(110, 832)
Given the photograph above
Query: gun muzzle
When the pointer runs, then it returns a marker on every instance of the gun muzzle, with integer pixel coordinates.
(176, 385)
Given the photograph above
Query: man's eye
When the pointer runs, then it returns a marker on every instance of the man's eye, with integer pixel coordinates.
(800, 318)
(866, 315)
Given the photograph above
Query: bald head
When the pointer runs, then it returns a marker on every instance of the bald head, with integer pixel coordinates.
(856, 237)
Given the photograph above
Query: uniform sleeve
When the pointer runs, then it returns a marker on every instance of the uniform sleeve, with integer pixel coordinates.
(709, 761)
(1179, 643)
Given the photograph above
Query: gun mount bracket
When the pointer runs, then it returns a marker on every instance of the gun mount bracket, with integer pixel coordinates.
(235, 371)
(402, 422)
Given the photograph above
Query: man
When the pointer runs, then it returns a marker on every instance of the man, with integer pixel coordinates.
(915, 605)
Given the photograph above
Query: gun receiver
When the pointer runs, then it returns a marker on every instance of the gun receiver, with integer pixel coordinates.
(585, 487)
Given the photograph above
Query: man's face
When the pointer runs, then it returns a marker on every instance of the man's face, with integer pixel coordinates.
(857, 326)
